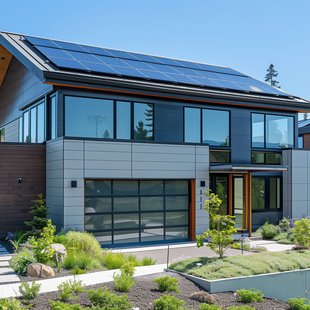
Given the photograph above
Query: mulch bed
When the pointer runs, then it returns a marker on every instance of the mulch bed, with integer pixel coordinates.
(144, 292)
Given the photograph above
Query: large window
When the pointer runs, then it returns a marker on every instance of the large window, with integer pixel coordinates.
(272, 131)
(206, 126)
(108, 119)
(266, 193)
(53, 117)
(137, 211)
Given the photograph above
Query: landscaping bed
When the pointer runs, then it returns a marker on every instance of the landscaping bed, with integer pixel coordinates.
(238, 266)
(145, 291)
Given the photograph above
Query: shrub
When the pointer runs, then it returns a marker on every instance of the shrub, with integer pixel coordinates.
(80, 260)
(11, 304)
(299, 303)
(168, 302)
(240, 308)
(247, 296)
(41, 246)
(39, 215)
(113, 260)
(167, 283)
(21, 261)
(124, 282)
(209, 307)
(60, 239)
(85, 242)
(58, 305)
(28, 291)
(284, 224)
(106, 300)
(19, 238)
(77, 271)
(269, 231)
(237, 246)
(67, 290)
(301, 233)
(147, 261)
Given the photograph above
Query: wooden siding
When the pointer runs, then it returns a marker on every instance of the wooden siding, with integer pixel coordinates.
(306, 140)
(26, 161)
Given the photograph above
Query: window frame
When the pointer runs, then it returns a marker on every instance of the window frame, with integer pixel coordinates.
(267, 194)
(265, 131)
(265, 156)
(201, 126)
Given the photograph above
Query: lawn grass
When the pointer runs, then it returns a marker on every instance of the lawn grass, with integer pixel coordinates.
(237, 266)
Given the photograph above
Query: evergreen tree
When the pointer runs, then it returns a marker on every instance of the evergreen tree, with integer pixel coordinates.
(271, 75)
(39, 215)
(140, 131)
(149, 112)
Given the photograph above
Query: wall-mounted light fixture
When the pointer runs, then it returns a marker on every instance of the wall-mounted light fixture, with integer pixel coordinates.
(73, 183)
(202, 183)
(20, 180)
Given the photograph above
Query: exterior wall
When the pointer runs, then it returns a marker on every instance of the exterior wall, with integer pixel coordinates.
(296, 183)
(11, 133)
(306, 140)
(26, 161)
(84, 159)
(20, 87)
(55, 181)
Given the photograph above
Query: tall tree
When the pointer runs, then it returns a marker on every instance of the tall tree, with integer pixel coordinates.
(271, 76)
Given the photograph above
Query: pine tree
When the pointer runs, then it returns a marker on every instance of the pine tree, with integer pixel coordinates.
(271, 75)
(39, 215)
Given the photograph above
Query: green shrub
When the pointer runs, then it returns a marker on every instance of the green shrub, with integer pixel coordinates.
(113, 260)
(240, 308)
(41, 246)
(106, 300)
(85, 242)
(21, 261)
(147, 261)
(247, 296)
(237, 246)
(80, 260)
(11, 304)
(301, 233)
(269, 231)
(28, 291)
(284, 224)
(209, 307)
(124, 282)
(69, 290)
(58, 305)
(19, 238)
(168, 302)
(77, 271)
(39, 215)
(299, 303)
(60, 239)
(167, 283)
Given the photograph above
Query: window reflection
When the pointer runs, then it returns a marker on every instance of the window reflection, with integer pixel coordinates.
(192, 125)
(143, 121)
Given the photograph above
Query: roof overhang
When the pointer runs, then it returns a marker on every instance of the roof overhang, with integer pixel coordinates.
(245, 168)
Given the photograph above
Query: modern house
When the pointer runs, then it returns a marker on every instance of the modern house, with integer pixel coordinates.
(133, 141)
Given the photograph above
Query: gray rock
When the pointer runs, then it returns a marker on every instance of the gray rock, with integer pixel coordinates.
(40, 270)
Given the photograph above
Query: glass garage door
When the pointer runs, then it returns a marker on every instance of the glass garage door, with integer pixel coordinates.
(137, 211)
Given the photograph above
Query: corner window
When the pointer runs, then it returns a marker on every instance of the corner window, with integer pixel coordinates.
(123, 120)
(266, 193)
(207, 126)
(272, 131)
(143, 121)
(20, 129)
(2, 135)
(26, 137)
(53, 117)
(269, 158)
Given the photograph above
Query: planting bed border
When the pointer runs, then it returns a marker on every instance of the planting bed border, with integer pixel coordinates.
(278, 285)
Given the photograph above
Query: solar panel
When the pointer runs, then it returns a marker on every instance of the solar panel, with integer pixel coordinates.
(65, 55)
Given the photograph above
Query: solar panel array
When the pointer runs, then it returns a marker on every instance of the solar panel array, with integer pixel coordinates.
(84, 58)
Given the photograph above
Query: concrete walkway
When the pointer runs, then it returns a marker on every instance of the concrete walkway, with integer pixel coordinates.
(50, 285)
(271, 246)
(7, 274)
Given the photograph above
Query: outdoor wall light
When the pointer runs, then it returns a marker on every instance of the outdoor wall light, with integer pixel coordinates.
(73, 183)
(20, 180)
(202, 183)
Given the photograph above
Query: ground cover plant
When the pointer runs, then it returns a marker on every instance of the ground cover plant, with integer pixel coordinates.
(167, 284)
(299, 304)
(124, 280)
(168, 302)
(248, 296)
(29, 291)
(236, 266)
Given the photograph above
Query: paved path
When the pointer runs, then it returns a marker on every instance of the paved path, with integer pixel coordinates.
(271, 246)
(7, 274)
(50, 285)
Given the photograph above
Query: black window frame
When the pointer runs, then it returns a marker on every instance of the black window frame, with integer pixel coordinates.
(115, 121)
(201, 126)
(140, 212)
(265, 130)
(267, 194)
(265, 156)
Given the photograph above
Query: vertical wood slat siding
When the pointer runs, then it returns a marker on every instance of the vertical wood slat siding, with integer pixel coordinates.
(26, 161)
(192, 211)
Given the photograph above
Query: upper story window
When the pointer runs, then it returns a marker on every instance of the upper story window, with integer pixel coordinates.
(207, 126)
(108, 119)
(53, 117)
(300, 142)
(272, 131)
(32, 124)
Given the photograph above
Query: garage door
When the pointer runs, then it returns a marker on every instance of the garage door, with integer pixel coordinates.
(135, 211)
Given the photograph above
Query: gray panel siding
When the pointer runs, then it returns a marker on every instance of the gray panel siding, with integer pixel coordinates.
(55, 181)
(20, 86)
(122, 160)
(11, 132)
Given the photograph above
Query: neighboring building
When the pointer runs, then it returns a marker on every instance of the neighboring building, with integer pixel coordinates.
(304, 134)
(133, 141)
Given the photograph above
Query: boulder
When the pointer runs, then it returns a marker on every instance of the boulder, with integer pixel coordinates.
(40, 270)
(203, 297)
(60, 251)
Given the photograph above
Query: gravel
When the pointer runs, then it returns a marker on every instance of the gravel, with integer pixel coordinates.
(145, 291)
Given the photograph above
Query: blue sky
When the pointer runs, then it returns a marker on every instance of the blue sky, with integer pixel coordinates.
(246, 35)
